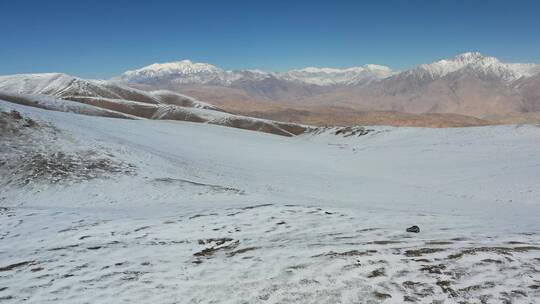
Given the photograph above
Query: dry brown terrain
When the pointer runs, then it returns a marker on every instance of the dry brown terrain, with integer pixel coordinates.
(343, 116)
(458, 99)
(233, 100)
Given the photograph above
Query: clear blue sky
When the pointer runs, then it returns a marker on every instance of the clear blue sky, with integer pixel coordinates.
(102, 38)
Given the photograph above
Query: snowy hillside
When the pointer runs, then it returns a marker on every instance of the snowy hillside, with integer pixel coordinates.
(60, 92)
(108, 210)
(69, 87)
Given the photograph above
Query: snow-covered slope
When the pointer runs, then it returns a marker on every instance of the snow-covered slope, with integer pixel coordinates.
(64, 86)
(65, 93)
(108, 210)
(55, 104)
(68, 87)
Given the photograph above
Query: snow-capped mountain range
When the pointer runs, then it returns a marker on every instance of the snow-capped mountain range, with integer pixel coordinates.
(188, 72)
(469, 84)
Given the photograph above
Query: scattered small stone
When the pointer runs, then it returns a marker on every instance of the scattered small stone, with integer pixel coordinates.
(15, 115)
(347, 253)
(16, 265)
(36, 269)
(255, 206)
(445, 286)
(141, 228)
(385, 242)
(352, 131)
(64, 247)
(240, 251)
(217, 241)
(492, 261)
(498, 250)
(439, 243)
(411, 284)
(207, 252)
(413, 229)
(379, 272)
(421, 251)
(410, 299)
(381, 296)
(437, 269)
(519, 292)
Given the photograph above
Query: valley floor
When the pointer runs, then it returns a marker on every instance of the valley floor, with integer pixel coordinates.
(101, 210)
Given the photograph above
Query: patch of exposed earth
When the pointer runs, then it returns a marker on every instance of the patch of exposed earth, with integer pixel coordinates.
(35, 152)
(260, 253)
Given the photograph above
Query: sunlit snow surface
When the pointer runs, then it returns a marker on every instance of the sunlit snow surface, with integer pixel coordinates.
(197, 213)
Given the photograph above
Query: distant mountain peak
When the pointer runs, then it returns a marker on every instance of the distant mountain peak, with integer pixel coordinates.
(168, 69)
(469, 56)
(375, 67)
(473, 63)
(475, 58)
(186, 66)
